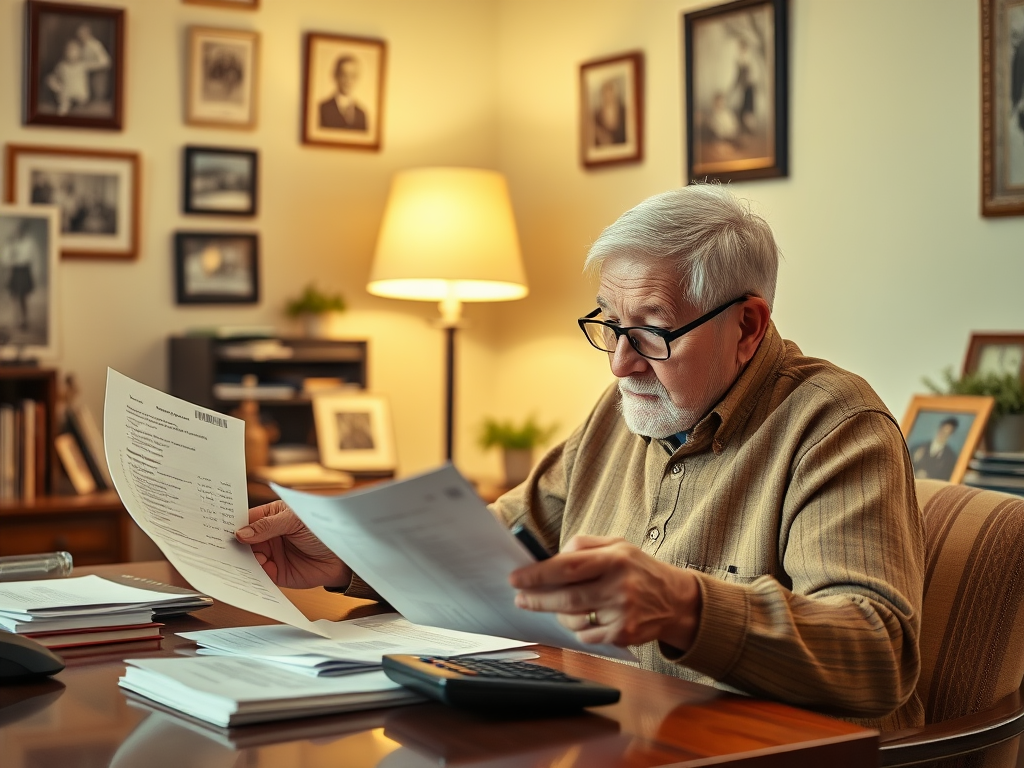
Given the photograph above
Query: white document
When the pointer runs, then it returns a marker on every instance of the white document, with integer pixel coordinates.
(357, 643)
(79, 596)
(430, 547)
(180, 473)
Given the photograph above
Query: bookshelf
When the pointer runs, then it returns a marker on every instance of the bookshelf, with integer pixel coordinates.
(94, 528)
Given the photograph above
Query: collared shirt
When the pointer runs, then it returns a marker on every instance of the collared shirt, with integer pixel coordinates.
(793, 502)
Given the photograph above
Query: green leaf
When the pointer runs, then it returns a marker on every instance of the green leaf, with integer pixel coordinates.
(506, 434)
(314, 302)
(1007, 389)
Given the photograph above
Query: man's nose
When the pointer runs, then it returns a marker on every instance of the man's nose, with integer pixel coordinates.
(626, 361)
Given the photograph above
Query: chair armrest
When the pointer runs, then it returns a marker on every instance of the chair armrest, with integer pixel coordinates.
(1002, 721)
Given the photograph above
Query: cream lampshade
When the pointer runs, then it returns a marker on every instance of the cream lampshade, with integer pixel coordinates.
(448, 235)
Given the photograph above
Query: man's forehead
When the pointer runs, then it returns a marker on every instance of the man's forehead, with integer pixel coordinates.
(646, 286)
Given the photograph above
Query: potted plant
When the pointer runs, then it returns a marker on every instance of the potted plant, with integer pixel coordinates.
(517, 443)
(316, 309)
(1005, 430)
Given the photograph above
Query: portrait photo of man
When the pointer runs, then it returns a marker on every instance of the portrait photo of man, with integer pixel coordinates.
(342, 111)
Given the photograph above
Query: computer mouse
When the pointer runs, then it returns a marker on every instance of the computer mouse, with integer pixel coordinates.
(22, 659)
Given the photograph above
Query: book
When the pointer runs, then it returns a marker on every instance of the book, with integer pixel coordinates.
(305, 475)
(74, 464)
(28, 450)
(188, 600)
(24, 626)
(7, 472)
(228, 691)
(82, 425)
(70, 638)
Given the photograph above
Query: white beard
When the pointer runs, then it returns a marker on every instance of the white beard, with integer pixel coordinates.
(652, 418)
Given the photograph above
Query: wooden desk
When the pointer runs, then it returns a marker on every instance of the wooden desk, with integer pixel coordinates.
(82, 719)
(94, 528)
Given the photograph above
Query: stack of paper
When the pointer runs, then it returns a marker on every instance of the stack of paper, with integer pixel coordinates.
(229, 692)
(84, 603)
(354, 646)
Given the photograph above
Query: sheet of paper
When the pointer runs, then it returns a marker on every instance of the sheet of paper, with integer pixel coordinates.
(430, 547)
(82, 595)
(357, 640)
(180, 473)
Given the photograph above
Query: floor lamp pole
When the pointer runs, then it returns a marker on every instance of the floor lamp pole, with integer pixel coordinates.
(449, 422)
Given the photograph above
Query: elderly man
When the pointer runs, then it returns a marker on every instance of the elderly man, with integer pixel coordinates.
(737, 513)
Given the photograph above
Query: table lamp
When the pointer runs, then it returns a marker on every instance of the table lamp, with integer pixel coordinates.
(448, 235)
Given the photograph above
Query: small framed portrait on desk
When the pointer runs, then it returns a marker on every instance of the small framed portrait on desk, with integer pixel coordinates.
(942, 433)
(353, 432)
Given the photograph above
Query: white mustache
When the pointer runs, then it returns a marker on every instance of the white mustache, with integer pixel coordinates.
(642, 386)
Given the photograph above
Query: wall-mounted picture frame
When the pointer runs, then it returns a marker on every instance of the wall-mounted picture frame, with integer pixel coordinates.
(96, 192)
(28, 268)
(74, 65)
(343, 91)
(737, 98)
(354, 432)
(612, 110)
(216, 268)
(222, 78)
(221, 181)
(1002, 108)
(998, 353)
(241, 5)
(942, 433)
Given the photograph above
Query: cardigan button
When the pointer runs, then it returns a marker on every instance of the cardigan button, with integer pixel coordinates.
(653, 534)
(677, 469)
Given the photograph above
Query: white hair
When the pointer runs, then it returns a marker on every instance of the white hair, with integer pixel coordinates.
(721, 249)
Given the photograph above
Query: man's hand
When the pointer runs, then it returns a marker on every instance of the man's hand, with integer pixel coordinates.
(290, 554)
(608, 591)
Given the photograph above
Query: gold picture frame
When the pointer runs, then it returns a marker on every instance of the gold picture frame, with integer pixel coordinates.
(223, 77)
(942, 433)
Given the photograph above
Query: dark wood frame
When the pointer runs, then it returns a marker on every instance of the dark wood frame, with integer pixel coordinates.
(251, 5)
(14, 151)
(996, 200)
(634, 117)
(780, 166)
(979, 407)
(181, 297)
(312, 38)
(192, 75)
(188, 156)
(979, 340)
(32, 115)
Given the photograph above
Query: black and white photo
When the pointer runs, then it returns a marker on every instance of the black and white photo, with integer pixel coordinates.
(1002, 107)
(222, 77)
(354, 431)
(220, 181)
(343, 95)
(94, 191)
(736, 91)
(28, 247)
(216, 268)
(612, 110)
(74, 72)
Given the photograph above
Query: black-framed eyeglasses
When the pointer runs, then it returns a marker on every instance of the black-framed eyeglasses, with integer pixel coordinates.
(652, 343)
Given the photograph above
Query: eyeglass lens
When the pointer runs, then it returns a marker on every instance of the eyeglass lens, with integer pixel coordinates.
(646, 343)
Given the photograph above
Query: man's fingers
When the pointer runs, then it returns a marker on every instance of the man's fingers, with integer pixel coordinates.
(564, 568)
(582, 541)
(268, 522)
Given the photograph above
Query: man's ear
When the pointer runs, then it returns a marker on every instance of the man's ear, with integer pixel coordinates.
(754, 319)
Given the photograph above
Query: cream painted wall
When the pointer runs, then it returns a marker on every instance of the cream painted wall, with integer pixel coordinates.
(888, 264)
(319, 207)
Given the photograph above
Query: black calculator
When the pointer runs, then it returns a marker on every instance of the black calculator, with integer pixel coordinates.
(496, 685)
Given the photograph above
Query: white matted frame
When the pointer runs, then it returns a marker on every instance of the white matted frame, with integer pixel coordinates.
(354, 432)
(28, 267)
(96, 192)
(223, 77)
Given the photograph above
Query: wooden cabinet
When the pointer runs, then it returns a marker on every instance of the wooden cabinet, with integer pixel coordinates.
(202, 367)
(94, 528)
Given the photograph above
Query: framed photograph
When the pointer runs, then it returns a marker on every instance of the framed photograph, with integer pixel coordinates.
(353, 431)
(220, 181)
(216, 268)
(1002, 108)
(612, 110)
(997, 353)
(96, 192)
(28, 267)
(737, 102)
(222, 77)
(942, 433)
(74, 65)
(244, 5)
(343, 93)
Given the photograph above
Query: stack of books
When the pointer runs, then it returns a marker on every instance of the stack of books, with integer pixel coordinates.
(91, 610)
(996, 472)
